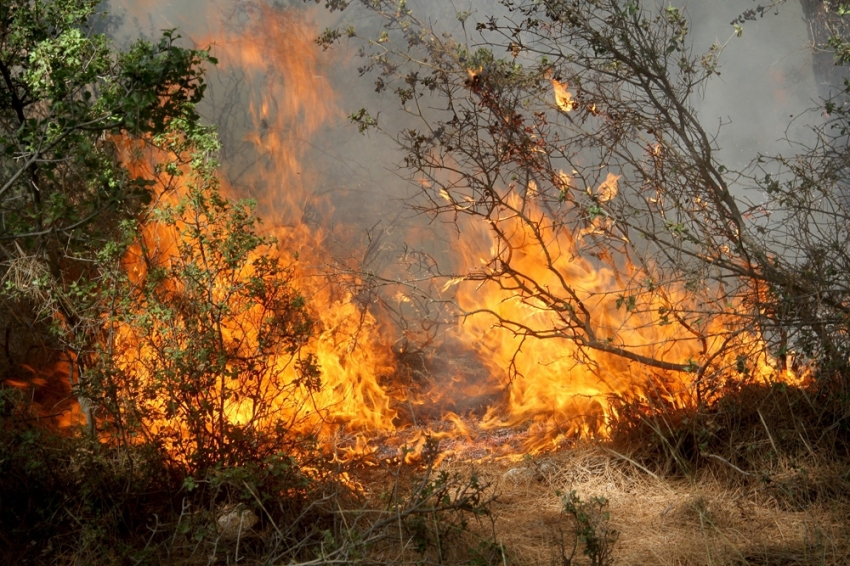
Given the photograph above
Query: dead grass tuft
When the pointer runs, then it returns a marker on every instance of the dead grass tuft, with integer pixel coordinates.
(756, 432)
(702, 519)
(27, 275)
(759, 478)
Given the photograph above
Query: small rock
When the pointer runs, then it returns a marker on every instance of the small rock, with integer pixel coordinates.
(518, 474)
(234, 520)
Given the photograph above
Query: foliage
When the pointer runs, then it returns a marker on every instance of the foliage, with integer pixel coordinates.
(73, 112)
(435, 515)
(201, 348)
(187, 344)
(68, 499)
(424, 515)
(591, 528)
(750, 433)
(180, 322)
(67, 496)
(65, 94)
(582, 146)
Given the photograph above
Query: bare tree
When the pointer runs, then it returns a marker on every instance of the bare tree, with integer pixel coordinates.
(580, 153)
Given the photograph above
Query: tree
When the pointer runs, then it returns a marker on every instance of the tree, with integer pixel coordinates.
(72, 113)
(828, 32)
(581, 155)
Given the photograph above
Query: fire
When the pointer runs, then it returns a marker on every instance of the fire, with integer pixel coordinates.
(563, 97)
(549, 386)
(278, 57)
(558, 389)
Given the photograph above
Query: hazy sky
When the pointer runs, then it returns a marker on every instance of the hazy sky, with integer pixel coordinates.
(766, 77)
(766, 73)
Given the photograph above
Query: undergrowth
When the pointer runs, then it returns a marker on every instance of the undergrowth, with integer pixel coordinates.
(68, 499)
(792, 441)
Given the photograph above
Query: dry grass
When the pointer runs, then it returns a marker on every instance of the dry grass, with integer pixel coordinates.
(702, 520)
(26, 274)
(761, 480)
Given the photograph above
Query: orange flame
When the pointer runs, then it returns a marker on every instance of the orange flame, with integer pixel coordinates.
(278, 56)
(559, 389)
(556, 390)
(563, 97)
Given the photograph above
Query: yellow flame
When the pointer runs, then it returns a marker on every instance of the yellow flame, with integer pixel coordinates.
(563, 98)
(559, 391)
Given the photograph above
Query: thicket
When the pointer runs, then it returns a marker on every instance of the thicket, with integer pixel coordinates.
(567, 131)
(181, 327)
(172, 315)
(185, 332)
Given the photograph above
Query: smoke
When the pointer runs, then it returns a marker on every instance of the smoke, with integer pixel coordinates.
(309, 168)
(766, 81)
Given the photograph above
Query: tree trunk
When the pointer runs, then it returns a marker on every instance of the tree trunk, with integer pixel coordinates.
(824, 23)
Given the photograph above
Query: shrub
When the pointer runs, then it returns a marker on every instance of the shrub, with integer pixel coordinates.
(201, 349)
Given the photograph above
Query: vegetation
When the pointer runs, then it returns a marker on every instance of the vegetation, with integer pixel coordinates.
(567, 132)
(187, 337)
(582, 144)
(201, 350)
(71, 111)
(66, 96)
(182, 326)
(182, 332)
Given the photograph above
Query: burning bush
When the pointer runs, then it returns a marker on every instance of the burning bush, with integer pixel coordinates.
(605, 248)
(68, 103)
(202, 345)
(193, 383)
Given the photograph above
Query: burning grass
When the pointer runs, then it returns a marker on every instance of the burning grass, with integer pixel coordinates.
(766, 484)
(479, 453)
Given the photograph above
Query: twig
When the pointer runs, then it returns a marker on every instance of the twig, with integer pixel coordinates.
(769, 436)
(631, 461)
(263, 507)
(730, 464)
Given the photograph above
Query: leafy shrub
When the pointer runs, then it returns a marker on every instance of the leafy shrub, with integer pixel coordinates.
(201, 349)
(591, 528)
(64, 496)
